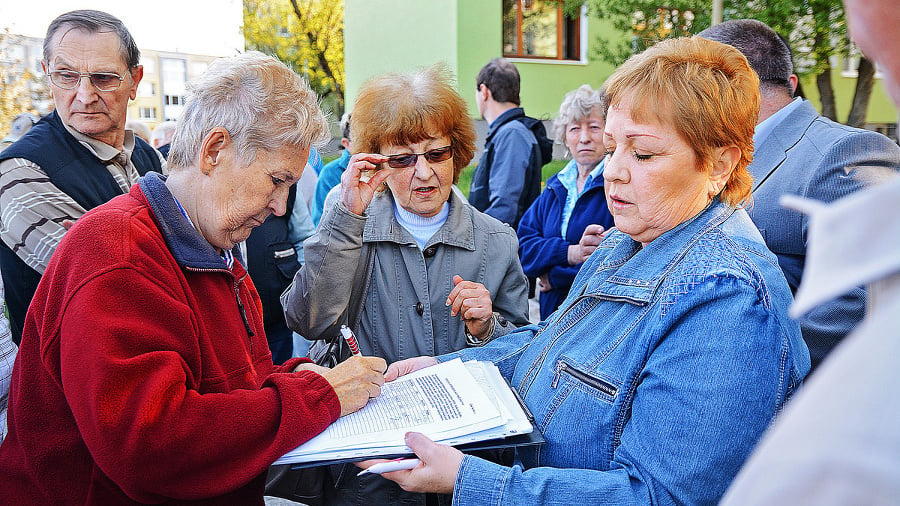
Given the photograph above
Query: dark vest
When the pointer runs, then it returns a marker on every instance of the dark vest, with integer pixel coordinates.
(78, 173)
(480, 191)
(272, 262)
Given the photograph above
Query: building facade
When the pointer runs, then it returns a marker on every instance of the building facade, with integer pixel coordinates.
(162, 91)
(160, 96)
(554, 54)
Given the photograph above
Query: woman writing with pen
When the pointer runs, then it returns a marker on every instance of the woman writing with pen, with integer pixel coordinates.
(654, 380)
(409, 266)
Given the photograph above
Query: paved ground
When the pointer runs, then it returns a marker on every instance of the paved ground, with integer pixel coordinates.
(534, 310)
(277, 501)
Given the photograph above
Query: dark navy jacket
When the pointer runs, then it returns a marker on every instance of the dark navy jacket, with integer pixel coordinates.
(78, 173)
(541, 247)
(493, 168)
(272, 262)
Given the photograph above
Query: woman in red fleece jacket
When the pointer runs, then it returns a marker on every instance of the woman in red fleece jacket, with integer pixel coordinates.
(144, 375)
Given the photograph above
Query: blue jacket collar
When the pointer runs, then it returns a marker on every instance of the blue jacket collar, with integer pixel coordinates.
(188, 247)
(555, 185)
(504, 118)
(631, 272)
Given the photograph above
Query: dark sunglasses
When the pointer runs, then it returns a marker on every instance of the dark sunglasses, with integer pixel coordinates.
(409, 159)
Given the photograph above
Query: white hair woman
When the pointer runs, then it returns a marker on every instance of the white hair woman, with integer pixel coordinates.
(144, 373)
(567, 221)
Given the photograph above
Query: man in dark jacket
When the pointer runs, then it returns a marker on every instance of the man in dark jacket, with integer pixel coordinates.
(77, 157)
(508, 176)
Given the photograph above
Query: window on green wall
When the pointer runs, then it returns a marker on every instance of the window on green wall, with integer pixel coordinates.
(540, 29)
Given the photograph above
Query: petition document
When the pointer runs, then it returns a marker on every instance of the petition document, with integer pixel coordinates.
(443, 402)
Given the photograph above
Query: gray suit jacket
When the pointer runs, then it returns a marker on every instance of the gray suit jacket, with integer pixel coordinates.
(816, 158)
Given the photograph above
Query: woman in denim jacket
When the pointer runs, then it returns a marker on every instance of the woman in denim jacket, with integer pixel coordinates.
(673, 351)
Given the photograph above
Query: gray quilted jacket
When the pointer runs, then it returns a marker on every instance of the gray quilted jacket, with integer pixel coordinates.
(372, 259)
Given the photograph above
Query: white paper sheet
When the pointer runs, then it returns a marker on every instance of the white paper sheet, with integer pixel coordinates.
(452, 403)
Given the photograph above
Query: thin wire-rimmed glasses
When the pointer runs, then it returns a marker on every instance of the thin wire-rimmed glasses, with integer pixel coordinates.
(406, 160)
(69, 79)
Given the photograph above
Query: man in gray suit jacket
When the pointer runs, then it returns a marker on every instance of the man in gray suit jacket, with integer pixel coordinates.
(798, 151)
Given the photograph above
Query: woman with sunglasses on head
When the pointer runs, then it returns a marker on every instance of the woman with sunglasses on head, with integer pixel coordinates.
(401, 257)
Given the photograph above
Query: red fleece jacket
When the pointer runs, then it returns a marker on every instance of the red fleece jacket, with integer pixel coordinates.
(137, 379)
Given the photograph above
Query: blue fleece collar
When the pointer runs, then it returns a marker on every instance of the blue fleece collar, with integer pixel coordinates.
(188, 247)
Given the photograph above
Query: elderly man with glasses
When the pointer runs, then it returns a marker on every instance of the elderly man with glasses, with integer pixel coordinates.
(77, 157)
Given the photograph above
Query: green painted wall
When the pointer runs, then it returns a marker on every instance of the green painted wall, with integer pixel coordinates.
(543, 83)
(400, 35)
(383, 36)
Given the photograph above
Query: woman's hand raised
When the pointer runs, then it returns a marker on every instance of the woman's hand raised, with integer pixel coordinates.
(592, 236)
(356, 194)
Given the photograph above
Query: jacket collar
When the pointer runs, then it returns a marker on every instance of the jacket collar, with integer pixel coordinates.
(188, 247)
(557, 186)
(382, 225)
(504, 118)
(634, 273)
(783, 137)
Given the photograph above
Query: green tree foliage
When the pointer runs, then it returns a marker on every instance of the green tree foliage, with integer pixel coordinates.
(307, 35)
(816, 29)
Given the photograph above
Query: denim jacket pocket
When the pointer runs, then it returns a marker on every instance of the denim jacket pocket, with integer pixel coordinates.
(585, 380)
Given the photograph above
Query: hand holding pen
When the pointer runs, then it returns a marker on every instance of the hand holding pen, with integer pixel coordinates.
(435, 469)
(390, 466)
(357, 379)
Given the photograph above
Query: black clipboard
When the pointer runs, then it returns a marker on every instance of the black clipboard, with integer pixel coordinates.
(532, 438)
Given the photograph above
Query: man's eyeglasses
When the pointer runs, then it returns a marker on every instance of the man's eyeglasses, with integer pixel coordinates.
(405, 160)
(68, 79)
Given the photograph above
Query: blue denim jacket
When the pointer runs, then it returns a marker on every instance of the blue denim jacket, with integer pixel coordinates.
(657, 375)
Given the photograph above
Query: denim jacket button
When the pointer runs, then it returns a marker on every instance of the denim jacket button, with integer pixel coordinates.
(420, 308)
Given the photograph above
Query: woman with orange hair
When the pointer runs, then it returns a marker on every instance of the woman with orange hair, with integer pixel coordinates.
(674, 350)
(401, 257)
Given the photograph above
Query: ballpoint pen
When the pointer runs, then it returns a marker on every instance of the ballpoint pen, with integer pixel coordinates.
(387, 467)
(351, 340)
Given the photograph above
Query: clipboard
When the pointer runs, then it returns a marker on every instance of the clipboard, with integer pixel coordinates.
(532, 438)
(527, 439)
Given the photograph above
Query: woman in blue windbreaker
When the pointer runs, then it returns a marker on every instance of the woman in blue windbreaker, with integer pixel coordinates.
(566, 222)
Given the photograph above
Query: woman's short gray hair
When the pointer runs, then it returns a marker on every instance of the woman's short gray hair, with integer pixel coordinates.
(576, 106)
(260, 101)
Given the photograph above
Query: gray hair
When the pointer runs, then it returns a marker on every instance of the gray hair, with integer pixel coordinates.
(163, 133)
(260, 101)
(139, 128)
(345, 126)
(576, 106)
(93, 21)
(767, 52)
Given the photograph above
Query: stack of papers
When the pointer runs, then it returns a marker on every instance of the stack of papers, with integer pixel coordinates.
(453, 403)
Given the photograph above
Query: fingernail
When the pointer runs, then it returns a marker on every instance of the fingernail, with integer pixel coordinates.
(447, 302)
